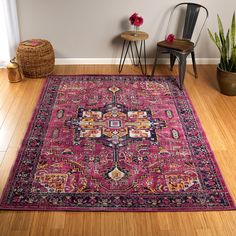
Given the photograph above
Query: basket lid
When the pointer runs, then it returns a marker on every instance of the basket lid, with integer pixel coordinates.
(32, 42)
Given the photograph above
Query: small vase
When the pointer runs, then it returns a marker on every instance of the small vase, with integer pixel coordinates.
(136, 29)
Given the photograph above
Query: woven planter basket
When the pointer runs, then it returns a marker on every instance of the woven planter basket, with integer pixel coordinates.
(36, 58)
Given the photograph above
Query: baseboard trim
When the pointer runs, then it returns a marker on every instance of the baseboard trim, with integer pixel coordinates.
(116, 61)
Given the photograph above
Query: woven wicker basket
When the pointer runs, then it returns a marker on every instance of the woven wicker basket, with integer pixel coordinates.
(36, 58)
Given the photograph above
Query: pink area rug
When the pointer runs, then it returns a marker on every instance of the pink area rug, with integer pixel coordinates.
(115, 143)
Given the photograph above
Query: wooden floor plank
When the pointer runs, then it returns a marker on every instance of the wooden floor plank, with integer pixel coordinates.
(6, 165)
(2, 154)
(13, 115)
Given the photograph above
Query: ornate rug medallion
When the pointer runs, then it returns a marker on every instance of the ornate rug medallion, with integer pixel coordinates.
(115, 143)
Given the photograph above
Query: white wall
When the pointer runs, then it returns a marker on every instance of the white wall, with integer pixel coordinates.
(90, 28)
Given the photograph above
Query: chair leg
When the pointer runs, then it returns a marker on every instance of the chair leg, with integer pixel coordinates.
(172, 61)
(182, 69)
(154, 64)
(194, 64)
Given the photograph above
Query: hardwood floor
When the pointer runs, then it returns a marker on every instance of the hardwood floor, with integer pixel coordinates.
(218, 117)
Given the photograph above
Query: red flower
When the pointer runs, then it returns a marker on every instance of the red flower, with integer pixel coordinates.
(138, 21)
(135, 19)
(170, 38)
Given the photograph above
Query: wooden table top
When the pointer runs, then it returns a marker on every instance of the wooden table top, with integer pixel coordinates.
(131, 36)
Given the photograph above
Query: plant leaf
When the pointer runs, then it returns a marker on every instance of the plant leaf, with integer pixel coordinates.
(227, 50)
(233, 57)
(211, 36)
(217, 42)
(221, 30)
(233, 32)
(232, 66)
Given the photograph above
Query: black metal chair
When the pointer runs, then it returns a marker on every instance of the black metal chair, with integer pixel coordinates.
(180, 48)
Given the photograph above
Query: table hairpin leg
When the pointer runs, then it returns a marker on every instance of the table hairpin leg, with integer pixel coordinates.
(135, 59)
(122, 59)
(139, 54)
(132, 54)
(145, 58)
(122, 62)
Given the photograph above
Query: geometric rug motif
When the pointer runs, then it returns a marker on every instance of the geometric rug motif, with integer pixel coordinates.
(115, 143)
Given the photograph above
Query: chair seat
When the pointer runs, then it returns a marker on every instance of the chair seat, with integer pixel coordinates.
(178, 44)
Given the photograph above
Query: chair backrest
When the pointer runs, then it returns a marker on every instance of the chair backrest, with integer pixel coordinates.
(191, 17)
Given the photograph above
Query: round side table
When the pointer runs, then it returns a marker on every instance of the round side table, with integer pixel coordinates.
(130, 39)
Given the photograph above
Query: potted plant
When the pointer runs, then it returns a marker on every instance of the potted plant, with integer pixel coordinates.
(226, 70)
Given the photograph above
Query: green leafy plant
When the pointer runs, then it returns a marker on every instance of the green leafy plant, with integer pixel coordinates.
(226, 45)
